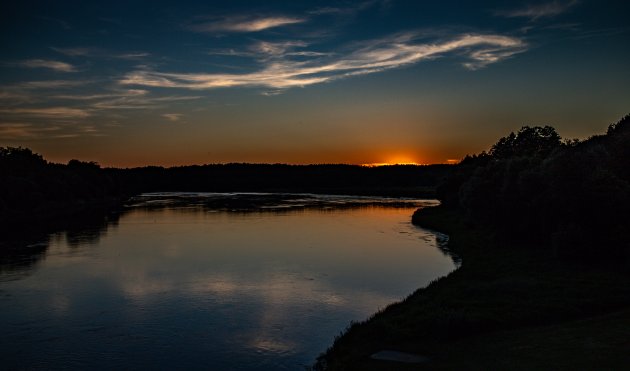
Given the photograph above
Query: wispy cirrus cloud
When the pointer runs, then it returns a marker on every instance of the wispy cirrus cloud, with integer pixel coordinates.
(348, 9)
(50, 64)
(263, 50)
(89, 97)
(33, 91)
(541, 10)
(132, 56)
(245, 23)
(276, 48)
(100, 53)
(20, 130)
(24, 103)
(73, 52)
(48, 112)
(173, 117)
(14, 97)
(31, 131)
(138, 101)
(30, 92)
(51, 84)
(282, 72)
(255, 23)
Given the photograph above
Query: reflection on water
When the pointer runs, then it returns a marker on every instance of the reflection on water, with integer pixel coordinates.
(21, 248)
(185, 281)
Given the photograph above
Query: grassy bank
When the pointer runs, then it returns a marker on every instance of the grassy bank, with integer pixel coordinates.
(507, 306)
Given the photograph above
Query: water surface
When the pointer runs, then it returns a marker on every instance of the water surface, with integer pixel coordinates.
(212, 281)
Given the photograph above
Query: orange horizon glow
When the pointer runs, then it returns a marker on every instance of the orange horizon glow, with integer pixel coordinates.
(175, 161)
(377, 164)
(393, 160)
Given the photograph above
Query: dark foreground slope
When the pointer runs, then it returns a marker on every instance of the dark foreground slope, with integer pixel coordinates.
(544, 282)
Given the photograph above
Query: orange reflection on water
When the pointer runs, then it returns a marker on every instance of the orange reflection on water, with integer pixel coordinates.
(226, 289)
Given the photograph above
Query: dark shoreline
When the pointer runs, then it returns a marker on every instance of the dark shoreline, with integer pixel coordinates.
(503, 308)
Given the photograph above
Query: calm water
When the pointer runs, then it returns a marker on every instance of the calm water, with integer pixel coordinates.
(188, 283)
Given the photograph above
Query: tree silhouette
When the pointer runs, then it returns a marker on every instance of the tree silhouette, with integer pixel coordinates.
(529, 141)
(533, 188)
(19, 160)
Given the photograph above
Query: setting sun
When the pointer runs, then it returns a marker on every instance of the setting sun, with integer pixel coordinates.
(394, 160)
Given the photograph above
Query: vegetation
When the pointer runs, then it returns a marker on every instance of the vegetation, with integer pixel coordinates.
(32, 188)
(531, 187)
(396, 180)
(539, 225)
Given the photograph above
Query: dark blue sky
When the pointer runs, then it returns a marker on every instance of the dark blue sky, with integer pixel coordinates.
(133, 83)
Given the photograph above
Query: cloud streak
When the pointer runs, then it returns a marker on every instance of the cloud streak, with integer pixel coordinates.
(73, 52)
(537, 11)
(48, 112)
(173, 117)
(18, 130)
(245, 24)
(282, 72)
(100, 53)
(26, 105)
(50, 64)
(28, 131)
(35, 91)
(51, 84)
(348, 10)
(138, 99)
(117, 94)
(133, 56)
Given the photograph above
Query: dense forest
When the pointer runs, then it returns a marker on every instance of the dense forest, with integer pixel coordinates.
(32, 188)
(533, 187)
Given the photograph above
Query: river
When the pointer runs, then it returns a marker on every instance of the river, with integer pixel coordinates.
(211, 281)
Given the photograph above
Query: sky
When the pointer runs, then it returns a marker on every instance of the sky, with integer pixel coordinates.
(169, 83)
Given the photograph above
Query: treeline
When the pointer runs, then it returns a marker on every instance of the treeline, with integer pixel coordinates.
(572, 196)
(397, 180)
(33, 188)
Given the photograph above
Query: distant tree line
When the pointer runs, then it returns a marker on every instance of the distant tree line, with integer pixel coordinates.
(32, 188)
(397, 180)
(533, 187)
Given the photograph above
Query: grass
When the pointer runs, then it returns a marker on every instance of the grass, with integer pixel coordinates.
(507, 306)
(595, 343)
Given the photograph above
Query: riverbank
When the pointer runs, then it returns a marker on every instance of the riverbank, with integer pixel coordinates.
(507, 306)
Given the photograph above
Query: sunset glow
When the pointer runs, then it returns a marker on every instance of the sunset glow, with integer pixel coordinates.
(395, 160)
(376, 164)
(306, 82)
